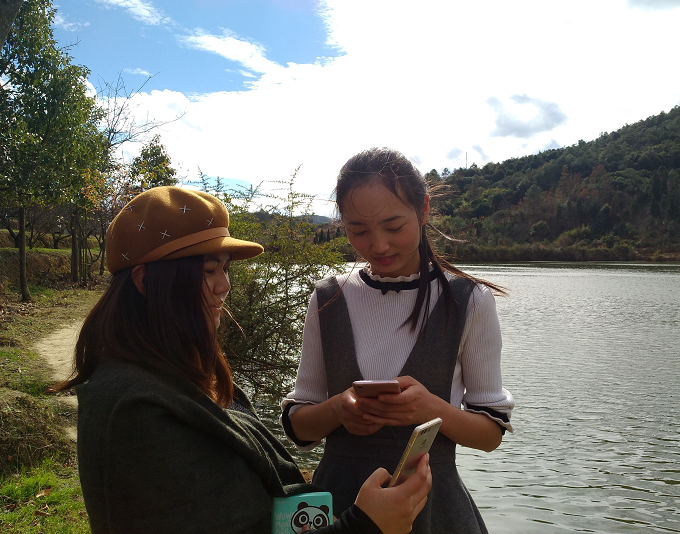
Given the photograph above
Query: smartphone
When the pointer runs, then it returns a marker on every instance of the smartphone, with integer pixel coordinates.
(374, 388)
(419, 444)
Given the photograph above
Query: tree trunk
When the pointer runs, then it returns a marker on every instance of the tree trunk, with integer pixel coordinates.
(82, 268)
(102, 264)
(8, 12)
(75, 256)
(23, 279)
(84, 250)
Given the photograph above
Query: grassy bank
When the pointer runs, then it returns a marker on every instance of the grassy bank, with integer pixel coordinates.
(39, 486)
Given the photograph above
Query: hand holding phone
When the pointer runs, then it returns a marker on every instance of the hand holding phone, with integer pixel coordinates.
(418, 445)
(374, 388)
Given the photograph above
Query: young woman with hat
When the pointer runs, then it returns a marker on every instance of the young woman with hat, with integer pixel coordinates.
(166, 441)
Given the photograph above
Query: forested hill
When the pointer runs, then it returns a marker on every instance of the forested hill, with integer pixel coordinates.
(617, 197)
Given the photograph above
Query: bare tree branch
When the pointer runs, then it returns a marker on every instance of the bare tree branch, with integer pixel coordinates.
(119, 124)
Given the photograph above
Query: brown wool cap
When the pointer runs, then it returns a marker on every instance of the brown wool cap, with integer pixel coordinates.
(165, 223)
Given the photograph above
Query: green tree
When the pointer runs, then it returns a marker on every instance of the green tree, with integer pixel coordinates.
(270, 293)
(433, 177)
(48, 125)
(152, 167)
(533, 193)
(540, 230)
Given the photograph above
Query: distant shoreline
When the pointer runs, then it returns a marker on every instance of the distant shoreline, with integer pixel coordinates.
(538, 252)
(53, 267)
(532, 253)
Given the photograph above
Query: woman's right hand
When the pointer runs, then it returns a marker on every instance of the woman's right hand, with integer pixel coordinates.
(394, 509)
(351, 416)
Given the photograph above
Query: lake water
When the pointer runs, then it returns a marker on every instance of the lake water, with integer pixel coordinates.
(592, 355)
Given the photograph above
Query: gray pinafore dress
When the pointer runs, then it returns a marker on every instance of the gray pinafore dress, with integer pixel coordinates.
(348, 460)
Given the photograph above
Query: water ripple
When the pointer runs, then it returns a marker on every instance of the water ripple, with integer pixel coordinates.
(591, 353)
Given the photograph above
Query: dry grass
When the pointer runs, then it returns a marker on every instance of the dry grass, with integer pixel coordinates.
(30, 431)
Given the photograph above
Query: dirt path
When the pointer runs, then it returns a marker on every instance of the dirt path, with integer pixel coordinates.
(57, 350)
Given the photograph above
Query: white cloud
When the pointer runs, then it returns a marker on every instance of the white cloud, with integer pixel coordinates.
(249, 55)
(141, 72)
(417, 77)
(481, 153)
(653, 5)
(62, 23)
(551, 145)
(90, 89)
(142, 11)
(454, 153)
(543, 117)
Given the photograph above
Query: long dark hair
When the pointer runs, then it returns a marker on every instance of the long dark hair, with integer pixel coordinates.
(393, 170)
(168, 329)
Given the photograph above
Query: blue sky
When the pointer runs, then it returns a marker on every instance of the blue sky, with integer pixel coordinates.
(266, 86)
(141, 38)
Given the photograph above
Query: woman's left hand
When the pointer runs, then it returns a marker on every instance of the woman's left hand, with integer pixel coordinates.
(414, 405)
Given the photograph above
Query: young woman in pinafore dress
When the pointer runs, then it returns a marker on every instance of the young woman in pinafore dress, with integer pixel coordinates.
(407, 314)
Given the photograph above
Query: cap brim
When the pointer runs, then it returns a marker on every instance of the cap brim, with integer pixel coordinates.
(237, 248)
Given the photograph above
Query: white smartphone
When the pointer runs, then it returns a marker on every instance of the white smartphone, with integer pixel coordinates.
(373, 388)
(419, 444)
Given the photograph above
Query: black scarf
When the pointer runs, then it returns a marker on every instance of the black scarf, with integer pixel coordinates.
(393, 286)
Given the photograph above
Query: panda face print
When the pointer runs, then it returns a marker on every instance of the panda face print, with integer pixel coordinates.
(314, 517)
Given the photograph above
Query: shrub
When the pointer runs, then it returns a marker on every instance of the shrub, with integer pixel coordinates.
(575, 235)
(270, 293)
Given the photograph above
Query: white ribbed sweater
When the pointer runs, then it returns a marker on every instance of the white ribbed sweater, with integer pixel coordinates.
(383, 345)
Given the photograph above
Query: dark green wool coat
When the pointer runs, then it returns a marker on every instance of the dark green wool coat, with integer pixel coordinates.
(157, 455)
